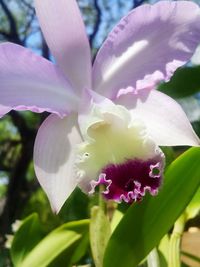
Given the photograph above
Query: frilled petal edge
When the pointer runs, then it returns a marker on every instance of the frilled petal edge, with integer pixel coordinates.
(147, 46)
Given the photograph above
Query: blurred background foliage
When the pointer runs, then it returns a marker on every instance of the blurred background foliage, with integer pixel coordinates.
(20, 193)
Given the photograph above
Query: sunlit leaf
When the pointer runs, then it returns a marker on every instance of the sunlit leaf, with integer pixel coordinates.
(26, 238)
(56, 245)
(75, 252)
(147, 222)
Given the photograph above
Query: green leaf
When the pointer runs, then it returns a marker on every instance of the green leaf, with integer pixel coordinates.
(194, 206)
(75, 252)
(25, 239)
(39, 203)
(56, 245)
(99, 234)
(147, 222)
(75, 207)
(185, 82)
(169, 155)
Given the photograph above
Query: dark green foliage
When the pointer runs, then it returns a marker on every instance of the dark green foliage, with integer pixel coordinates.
(185, 82)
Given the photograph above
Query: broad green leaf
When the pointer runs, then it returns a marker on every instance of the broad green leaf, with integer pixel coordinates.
(75, 252)
(25, 239)
(75, 207)
(50, 248)
(99, 234)
(39, 203)
(169, 155)
(185, 82)
(147, 222)
(53, 246)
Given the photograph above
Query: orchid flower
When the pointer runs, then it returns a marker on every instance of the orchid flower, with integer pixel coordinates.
(107, 121)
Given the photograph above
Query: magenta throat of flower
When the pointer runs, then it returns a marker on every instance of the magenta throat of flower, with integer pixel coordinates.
(129, 181)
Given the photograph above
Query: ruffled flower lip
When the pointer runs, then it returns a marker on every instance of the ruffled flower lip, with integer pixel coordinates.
(129, 181)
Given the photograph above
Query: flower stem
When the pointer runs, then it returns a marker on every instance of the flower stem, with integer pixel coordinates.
(100, 230)
(175, 241)
(102, 204)
(153, 259)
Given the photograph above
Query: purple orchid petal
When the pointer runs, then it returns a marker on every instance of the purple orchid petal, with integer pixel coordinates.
(30, 82)
(164, 118)
(65, 34)
(147, 46)
(54, 157)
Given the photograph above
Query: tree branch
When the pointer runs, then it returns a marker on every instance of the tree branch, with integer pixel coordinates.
(28, 5)
(5, 34)
(28, 26)
(17, 193)
(137, 3)
(45, 48)
(13, 34)
(97, 22)
(20, 123)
